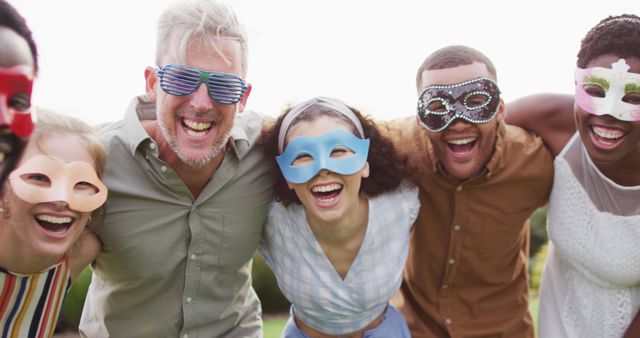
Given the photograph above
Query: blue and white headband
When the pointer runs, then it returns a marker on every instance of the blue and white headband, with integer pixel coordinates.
(326, 102)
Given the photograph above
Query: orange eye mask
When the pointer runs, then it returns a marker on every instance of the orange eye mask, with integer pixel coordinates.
(48, 179)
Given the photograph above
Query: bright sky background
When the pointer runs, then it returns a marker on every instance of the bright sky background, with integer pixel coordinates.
(93, 53)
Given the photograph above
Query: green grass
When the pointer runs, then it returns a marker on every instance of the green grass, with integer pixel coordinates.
(273, 327)
(533, 309)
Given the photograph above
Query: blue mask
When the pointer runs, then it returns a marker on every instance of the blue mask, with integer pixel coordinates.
(319, 149)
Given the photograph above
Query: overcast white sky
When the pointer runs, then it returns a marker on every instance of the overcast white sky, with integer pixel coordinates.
(93, 53)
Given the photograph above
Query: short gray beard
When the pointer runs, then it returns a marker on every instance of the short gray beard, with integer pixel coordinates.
(219, 146)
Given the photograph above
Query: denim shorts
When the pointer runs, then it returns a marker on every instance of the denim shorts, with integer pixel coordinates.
(392, 325)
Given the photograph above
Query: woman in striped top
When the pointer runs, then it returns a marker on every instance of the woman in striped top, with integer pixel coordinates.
(46, 204)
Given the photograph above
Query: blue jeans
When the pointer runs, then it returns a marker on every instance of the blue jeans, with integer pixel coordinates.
(392, 325)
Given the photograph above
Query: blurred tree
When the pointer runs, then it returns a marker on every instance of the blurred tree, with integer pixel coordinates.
(538, 248)
(536, 266)
(538, 230)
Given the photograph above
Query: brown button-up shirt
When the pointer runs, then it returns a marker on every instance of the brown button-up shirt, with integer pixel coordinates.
(466, 274)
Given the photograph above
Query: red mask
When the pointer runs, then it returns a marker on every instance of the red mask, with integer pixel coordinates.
(16, 84)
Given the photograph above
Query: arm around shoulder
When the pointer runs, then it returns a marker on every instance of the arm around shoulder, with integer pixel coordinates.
(548, 115)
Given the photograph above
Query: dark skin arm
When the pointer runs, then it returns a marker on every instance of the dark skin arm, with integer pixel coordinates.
(633, 331)
(548, 115)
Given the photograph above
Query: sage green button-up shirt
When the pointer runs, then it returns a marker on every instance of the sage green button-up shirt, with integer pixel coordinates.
(172, 266)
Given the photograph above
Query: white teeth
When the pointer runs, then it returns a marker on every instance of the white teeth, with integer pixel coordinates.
(196, 133)
(607, 133)
(326, 188)
(2, 156)
(462, 141)
(54, 219)
(197, 125)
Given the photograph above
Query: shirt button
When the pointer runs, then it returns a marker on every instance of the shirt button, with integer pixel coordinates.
(451, 261)
(193, 256)
(146, 157)
(152, 145)
(448, 321)
(445, 286)
(189, 299)
(456, 227)
(163, 168)
(185, 336)
(459, 188)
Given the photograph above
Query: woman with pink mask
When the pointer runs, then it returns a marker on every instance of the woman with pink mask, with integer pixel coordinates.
(46, 204)
(591, 282)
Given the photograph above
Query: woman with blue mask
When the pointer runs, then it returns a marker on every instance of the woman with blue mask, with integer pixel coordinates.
(337, 234)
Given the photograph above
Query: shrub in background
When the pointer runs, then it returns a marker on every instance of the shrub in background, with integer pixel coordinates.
(264, 282)
(73, 303)
(538, 230)
(538, 248)
(536, 265)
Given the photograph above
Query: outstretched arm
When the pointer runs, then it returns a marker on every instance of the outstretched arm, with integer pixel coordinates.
(548, 115)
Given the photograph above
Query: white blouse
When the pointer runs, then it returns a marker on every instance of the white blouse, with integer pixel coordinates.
(591, 282)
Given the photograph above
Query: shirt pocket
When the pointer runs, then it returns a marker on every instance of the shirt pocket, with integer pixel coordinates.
(241, 231)
(500, 235)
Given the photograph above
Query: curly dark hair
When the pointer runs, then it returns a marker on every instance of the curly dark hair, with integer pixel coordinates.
(619, 35)
(387, 167)
(11, 19)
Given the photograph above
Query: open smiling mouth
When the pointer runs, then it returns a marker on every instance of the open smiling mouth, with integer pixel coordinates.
(196, 129)
(57, 224)
(327, 193)
(461, 147)
(607, 136)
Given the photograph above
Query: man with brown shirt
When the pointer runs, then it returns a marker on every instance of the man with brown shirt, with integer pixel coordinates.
(479, 180)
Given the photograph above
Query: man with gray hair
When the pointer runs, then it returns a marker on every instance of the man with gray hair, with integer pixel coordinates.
(188, 191)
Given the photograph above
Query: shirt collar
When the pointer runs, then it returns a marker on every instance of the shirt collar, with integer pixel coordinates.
(141, 109)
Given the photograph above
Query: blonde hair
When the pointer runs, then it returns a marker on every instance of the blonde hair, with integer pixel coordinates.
(52, 123)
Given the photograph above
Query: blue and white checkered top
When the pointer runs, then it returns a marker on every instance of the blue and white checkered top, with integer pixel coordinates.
(320, 297)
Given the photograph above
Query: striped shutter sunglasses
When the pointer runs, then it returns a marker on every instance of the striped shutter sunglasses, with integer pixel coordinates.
(180, 80)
